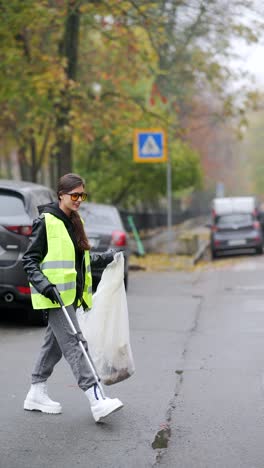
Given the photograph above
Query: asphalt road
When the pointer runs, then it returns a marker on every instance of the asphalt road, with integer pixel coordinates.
(196, 399)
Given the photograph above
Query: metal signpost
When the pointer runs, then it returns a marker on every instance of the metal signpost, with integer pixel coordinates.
(150, 146)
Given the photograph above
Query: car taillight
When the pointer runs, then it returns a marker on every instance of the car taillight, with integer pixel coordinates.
(23, 230)
(118, 238)
(214, 228)
(256, 225)
(23, 289)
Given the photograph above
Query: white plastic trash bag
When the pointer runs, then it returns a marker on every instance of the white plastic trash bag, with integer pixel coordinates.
(106, 326)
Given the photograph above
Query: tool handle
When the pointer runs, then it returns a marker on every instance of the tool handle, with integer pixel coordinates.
(85, 353)
(58, 296)
(60, 301)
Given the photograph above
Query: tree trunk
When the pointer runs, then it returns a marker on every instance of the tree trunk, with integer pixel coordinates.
(25, 169)
(65, 162)
(68, 49)
(32, 145)
(71, 38)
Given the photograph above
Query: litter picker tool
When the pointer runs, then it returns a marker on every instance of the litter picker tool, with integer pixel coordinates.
(85, 353)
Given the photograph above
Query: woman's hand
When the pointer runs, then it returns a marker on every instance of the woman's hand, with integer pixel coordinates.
(50, 293)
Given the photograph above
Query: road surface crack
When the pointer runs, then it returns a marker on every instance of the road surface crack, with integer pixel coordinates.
(162, 437)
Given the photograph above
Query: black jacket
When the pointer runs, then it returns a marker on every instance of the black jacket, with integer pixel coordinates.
(38, 248)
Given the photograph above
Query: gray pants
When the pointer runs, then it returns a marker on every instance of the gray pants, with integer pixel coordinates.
(59, 340)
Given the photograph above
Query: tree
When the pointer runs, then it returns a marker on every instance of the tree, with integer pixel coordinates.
(79, 97)
(250, 154)
(29, 78)
(68, 49)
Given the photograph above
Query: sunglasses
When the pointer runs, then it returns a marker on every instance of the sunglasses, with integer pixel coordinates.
(76, 195)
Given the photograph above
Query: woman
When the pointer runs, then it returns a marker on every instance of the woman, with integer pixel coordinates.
(58, 256)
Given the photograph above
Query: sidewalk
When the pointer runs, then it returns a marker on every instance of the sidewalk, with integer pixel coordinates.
(191, 236)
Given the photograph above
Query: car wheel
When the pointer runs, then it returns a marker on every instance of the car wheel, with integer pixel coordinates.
(213, 254)
(38, 317)
(259, 250)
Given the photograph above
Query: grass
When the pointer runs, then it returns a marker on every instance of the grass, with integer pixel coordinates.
(161, 262)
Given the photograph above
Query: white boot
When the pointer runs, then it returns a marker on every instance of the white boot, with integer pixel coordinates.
(101, 407)
(38, 399)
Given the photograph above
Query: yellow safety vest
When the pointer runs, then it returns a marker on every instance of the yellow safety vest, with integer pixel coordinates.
(59, 267)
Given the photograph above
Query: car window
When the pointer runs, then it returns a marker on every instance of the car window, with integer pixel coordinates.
(11, 206)
(41, 197)
(100, 216)
(236, 218)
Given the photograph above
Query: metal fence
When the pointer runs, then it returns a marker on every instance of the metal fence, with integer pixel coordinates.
(198, 205)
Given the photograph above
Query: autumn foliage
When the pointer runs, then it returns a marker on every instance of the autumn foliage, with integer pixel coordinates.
(78, 77)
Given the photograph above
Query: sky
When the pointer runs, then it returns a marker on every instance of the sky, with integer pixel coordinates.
(252, 55)
(251, 60)
(254, 62)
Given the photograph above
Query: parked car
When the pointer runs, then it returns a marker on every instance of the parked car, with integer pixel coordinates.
(235, 225)
(236, 232)
(18, 208)
(105, 230)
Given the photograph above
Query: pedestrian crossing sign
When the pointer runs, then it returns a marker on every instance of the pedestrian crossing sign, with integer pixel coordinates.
(150, 145)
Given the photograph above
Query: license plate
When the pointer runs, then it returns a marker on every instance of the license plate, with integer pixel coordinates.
(93, 242)
(237, 242)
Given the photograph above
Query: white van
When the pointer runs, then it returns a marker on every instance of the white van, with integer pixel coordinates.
(228, 205)
(235, 226)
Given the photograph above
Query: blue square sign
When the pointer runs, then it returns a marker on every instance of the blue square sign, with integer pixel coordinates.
(150, 145)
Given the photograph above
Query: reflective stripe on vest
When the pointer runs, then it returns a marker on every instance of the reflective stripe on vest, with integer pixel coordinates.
(59, 267)
(87, 292)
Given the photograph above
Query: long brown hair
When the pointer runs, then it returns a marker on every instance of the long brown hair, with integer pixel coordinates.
(67, 183)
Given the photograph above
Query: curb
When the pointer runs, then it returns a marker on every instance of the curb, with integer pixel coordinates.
(200, 252)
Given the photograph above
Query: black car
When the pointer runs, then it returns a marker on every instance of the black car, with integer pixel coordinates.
(105, 230)
(18, 208)
(236, 232)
